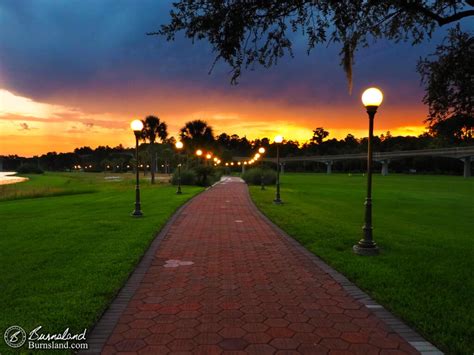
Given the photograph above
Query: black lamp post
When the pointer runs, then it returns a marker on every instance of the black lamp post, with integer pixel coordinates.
(261, 151)
(179, 146)
(278, 140)
(137, 127)
(371, 98)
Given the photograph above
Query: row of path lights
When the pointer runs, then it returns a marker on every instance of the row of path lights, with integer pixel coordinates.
(371, 98)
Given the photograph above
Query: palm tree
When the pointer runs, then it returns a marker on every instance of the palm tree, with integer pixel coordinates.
(153, 128)
(196, 134)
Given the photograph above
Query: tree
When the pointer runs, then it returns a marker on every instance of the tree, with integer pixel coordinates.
(154, 128)
(449, 84)
(197, 134)
(245, 33)
(318, 135)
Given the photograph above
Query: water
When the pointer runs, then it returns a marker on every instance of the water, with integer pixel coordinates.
(8, 177)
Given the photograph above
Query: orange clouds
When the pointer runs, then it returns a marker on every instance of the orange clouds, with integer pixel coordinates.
(30, 128)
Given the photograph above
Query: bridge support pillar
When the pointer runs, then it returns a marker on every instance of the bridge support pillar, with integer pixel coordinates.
(467, 166)
(385, 167)
(328, 166)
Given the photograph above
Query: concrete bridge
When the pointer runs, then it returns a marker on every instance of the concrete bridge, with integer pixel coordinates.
(465, 154)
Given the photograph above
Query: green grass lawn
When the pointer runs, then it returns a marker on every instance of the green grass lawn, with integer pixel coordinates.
(68, 243)
(424, 226)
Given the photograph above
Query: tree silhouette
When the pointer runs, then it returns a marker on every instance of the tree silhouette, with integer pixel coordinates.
(449, 83)
(244, 33)
(197, 134)
(153, 128)
(319, 134)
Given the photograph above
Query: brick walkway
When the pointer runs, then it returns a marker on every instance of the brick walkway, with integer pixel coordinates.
(223, 280)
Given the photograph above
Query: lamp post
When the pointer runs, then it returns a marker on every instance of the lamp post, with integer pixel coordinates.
(179, 145)
(278, 140)
(137, 127)
(371, 98)
(261, 150)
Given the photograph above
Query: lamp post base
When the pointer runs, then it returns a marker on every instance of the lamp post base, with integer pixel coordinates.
(137, 213)
(277, 201)
(366, 250)
(178, 192)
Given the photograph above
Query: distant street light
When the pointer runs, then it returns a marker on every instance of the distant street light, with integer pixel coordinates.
(137, 127)
(278, 140)
(371, 98)
(179, 145)
(199, 152)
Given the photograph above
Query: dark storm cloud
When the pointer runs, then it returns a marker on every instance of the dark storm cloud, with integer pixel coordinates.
(48, 47)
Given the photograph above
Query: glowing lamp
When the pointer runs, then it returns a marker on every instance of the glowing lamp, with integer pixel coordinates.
(208, 156)
(261, 150)
(257, 156)
(199, 152)
(179, 145)
(278, 139)
(372, 97)
(136, 125)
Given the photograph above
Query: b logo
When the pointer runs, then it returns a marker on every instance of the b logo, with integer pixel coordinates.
(15, 336)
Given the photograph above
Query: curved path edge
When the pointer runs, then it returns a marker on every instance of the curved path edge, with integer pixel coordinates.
(110, 317)
(398, 326)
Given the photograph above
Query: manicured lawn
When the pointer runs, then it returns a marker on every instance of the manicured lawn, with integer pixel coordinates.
(425, 227)
(64, 257)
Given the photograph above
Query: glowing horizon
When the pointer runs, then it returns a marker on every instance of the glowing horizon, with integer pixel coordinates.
(25, 120)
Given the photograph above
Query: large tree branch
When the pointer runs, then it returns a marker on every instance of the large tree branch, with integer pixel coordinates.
(456, 17)
(438, 18)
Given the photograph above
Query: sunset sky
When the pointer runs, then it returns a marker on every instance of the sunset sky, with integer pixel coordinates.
(75, 73)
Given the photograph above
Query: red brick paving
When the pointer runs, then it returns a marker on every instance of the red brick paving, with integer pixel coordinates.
(247, 291)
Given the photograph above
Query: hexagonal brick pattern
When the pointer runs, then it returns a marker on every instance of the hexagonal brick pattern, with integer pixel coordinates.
(241, 288)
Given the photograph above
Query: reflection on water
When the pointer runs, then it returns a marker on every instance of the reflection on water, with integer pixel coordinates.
(8, 177)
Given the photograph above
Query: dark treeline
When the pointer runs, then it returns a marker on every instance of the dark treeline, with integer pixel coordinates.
(199, 135)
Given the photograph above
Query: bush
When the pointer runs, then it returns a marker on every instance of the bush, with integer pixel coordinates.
(205, 175)
(29, 168)
(188, 177)
(254, 176)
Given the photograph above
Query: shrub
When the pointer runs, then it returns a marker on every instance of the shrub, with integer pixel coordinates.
(29, 168)
(188, 177)
(254, 176)
(205, 175)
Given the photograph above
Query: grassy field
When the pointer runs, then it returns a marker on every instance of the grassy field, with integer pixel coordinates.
(425, 227)
(68, 243)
